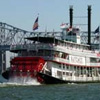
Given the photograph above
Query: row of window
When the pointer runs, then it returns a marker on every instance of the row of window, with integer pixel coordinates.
(78, 71)
(44, 53)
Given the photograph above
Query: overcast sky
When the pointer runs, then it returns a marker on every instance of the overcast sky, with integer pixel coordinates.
(22, 13)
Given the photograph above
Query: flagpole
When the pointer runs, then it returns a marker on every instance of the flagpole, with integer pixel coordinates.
(45, 31)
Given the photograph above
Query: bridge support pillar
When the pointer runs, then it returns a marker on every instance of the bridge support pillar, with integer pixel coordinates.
(2, 61)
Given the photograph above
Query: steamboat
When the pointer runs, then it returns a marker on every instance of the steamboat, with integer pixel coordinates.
(54, 60)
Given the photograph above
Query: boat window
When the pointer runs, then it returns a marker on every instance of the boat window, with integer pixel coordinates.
(98, 60)
(67, 67)
(56, 54)
(63, 66)
(59, 66)
(63, 73)
(64, 55)
(59, 73)
(94, 60)
(99, 70)
(81, 70)
(67, 73)
(70, 74)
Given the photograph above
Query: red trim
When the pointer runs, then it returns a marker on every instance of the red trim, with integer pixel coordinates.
(72, 64)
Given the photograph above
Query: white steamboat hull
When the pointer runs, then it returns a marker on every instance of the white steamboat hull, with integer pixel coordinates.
(64, 73)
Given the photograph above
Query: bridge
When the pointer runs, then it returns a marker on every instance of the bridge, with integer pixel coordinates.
(10, 35)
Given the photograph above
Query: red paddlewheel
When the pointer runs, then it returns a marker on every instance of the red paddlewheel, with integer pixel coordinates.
(26, 65)
(20, 68)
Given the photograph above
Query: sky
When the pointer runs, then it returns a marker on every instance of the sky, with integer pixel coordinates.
(52, 13)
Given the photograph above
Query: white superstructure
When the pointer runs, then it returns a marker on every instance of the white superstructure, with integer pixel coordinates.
(65, 60)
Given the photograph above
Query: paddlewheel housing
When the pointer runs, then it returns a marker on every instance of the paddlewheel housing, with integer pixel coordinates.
(27, 66)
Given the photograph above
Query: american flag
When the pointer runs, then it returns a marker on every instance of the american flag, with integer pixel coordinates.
(35, 26)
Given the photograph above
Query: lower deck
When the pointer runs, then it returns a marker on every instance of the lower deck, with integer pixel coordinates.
(31, 66)
(72, 73)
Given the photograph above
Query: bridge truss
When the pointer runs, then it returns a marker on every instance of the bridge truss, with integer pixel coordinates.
(12, 35)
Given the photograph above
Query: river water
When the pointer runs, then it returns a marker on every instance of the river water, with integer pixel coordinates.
(10, 91)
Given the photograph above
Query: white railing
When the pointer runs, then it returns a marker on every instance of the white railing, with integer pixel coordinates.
(93, 64)
(81, 79)
(31, 46)
(50, 46)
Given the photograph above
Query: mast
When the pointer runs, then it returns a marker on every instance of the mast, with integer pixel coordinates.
(89, 25)
(71, 15)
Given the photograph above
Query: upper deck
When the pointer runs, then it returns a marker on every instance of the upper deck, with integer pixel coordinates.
(51, 43)
(48, 42)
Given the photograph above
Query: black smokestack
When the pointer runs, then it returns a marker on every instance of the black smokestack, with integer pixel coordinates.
(89, 25)
(71, 15)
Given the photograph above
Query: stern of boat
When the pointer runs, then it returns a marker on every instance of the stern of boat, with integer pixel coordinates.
(25, 67)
